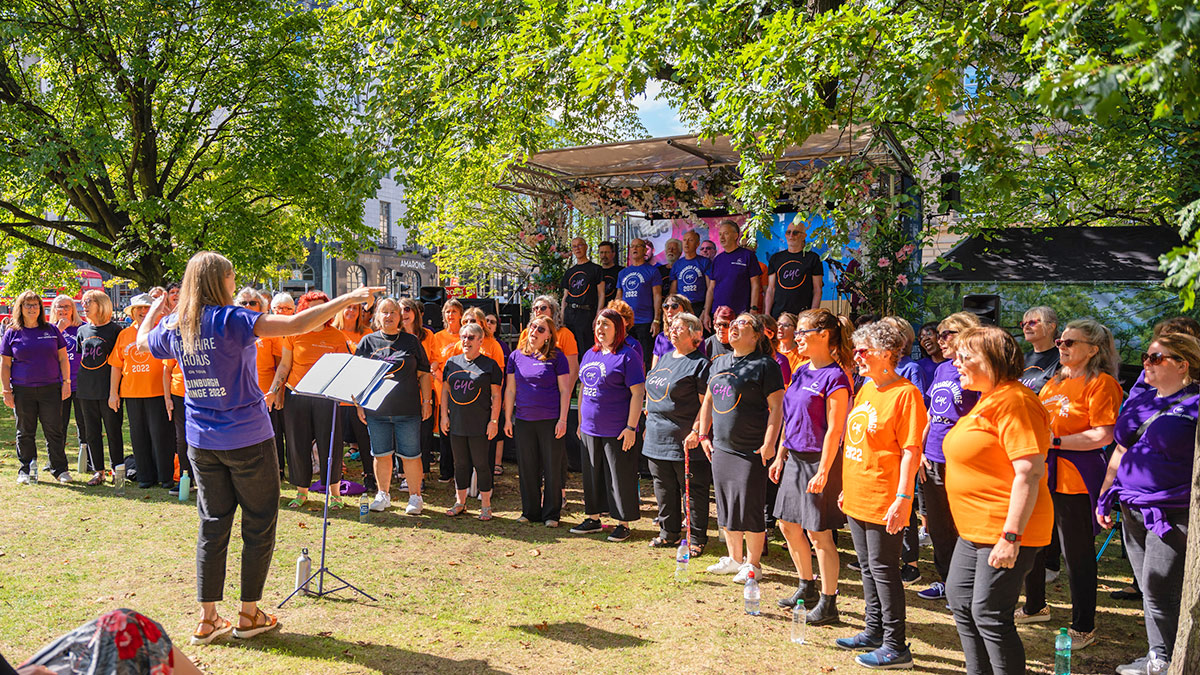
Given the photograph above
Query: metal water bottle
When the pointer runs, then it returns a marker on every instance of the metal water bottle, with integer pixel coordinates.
(119, 480)
(185, 486)
(303, 571)
(81, 465)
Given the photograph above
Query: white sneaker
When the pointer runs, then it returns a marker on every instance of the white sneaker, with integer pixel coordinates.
(22, 478)
(382, 501)
(64, 477)
(404, 485)
(725, 565)
(744, 571)
(923, 537)
(415, 505)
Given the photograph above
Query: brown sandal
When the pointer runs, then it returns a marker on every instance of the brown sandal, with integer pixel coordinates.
(219, 628)
(270, 622)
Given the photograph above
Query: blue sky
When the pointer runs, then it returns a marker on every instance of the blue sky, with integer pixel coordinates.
(659, 118)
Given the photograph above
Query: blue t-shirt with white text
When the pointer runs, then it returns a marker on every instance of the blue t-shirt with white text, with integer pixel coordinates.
(637, 288)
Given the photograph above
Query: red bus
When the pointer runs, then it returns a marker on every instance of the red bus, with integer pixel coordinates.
(88, 280)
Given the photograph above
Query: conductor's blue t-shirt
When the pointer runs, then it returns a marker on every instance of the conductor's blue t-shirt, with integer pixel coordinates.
(224, 406)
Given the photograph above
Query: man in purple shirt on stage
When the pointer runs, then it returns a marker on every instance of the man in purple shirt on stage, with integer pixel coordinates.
(640, 285)
(734, 276)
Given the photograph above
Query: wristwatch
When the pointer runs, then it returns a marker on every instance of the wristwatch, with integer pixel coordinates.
(1012, 537)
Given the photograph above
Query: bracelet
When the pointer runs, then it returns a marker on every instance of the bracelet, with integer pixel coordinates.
(901, 495)
(629, 428)
(703, 437)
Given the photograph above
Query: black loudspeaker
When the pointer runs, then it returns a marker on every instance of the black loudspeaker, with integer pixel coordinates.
(951, 196)
(434, 294)
(431, 299)
(986, 307)
(488, 305)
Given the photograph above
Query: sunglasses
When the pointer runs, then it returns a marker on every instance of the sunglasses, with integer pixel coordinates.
(945, 335)
(861, 351)
(793, 233)
(541, 308)
(1070, 342)
(721, 324)
(671, 305)
(1158, 357)
(540, 330)
(249, 303)
(1029, 323)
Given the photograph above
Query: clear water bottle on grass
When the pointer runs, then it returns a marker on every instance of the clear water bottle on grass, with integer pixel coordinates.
(1062, 653)
(33, 472)
(799, 622)
(752, 596)
(682, 555)
(119, 480)
(82, 462)
(185, 486)
(364, 509)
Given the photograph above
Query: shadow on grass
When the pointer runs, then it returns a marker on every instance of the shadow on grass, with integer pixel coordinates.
(583, 635)
(384, 658)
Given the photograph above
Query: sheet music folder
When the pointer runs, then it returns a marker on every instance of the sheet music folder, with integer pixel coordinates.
(346, 378)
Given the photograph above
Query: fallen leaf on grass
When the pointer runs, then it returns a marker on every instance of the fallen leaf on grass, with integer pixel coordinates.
(541, 627)
(506, 555)
(452, 562)
(325, 633)
(302, 525)
(535, 553)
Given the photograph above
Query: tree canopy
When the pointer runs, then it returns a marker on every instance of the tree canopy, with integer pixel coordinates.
(134, 133)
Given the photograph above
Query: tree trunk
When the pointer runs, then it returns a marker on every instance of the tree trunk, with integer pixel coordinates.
(1186, 659)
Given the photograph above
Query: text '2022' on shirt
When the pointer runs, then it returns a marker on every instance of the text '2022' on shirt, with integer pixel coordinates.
(691, 279)
(637, 288)
(224, 406)
(604, 393)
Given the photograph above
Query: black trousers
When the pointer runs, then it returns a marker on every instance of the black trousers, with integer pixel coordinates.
(356, 429)
(179, 420)
(982, 599)
(45, 405)
(280, 433)
(641, 333)
(429, 442)
(1073, 519)
(1158, 566)
(227, 479)
(883, 591)
(445, 458)
(150, 436)
(102, 422)
(610, 478)
(309, 420)
(910, 550)
(939, 522)
(541, 464)
(579, 322)
(669, 494)
(471, 453)
(68, 405)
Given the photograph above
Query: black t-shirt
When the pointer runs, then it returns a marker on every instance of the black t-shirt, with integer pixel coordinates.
(740, 386)
(1039, 368)
(95, 344)
(714, 347)
(470, 382)
(794, 273)
(665, 272)
(407, 358)
(610, 282)
(673, 391)
(579, 286)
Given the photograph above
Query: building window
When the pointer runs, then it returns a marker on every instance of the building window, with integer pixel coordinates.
(385, 225)
(356, 277)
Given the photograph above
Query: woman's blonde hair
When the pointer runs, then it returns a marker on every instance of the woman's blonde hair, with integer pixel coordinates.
(203, 285)
(403, 304)
(906, 331)
(480, 318)
(360, 323)
(996, 349)
(1105, 359)
(1185, 347)
(377, 320)
(104, 308)
(75, 320)
(959, 322)
(549, 347)
(692, 324)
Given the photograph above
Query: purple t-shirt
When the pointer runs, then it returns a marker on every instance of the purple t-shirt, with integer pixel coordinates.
(224, 406)
(1161, 460)
(537, 384)
(804, 421)
(637, 286)
(604, 393)
(34, 353)
(785, 369)
(691, 279)
(662, 344)
(731, 274)
(927, 366)
(909, 370)
(635, 346)
(948, 402)
(71, 335)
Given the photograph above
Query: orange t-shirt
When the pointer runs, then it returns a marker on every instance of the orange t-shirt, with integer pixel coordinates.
(564, 340)
(1008, 423)
(141, 373)
(177, 386)
(266, 359)
(1074, 406)
(794, 359)
(882, 423)
(353, 337)
(307, 348)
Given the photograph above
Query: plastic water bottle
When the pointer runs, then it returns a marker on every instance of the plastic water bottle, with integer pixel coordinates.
(1062, 653)
(364, 509)
(185, 486)
(119, 480)
(1156, 665)
(751, 596)
(682, 555)
(303, 571)
(33, 472)
(81, 465)
(799, 622)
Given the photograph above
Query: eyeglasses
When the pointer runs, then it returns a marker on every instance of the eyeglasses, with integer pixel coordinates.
(721, 324)
(249, 303)
(861, 351)
(786, 325)
(741, 322)
(541, 308)
(1157, 358)
(468, 337)
(540, 330)
(32, 305)
(1029, 323)
(1070, 342)
(806, 331)
(793, 233)
(945, 335)
(671, 305)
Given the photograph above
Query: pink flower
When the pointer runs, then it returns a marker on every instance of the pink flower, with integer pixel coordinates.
(884, 262)
(902, 279)
(901, 255)
(540, 238)
(696, 185)
(625, 193)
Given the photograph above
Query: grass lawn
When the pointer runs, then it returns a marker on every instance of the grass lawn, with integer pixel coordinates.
(456, 595)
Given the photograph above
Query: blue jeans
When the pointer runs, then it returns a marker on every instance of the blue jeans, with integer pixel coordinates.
(395, 434)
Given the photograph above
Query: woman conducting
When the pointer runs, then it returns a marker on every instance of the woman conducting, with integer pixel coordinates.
(228, 430)
(742, 407)
(808, 468)
(879, 468)
(995, 469)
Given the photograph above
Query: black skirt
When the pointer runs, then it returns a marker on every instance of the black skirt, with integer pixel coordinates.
(740, 484)
(795, 504)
